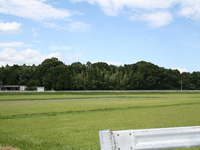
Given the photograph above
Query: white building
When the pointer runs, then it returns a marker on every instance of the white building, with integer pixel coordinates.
(40, 89)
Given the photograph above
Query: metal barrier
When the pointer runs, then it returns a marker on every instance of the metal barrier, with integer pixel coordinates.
(150, 139)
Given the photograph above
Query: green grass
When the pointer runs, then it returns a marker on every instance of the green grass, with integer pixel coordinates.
(5, 96)
(66, 95)
(30, 123)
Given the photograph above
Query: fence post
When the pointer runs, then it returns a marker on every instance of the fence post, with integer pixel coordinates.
(106, 140)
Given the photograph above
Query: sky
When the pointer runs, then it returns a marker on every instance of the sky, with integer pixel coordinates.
(118, 32)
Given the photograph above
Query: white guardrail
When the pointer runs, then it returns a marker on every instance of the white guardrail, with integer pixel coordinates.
(150, 139)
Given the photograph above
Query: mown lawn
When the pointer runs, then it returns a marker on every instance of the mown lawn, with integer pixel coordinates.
(33, 122)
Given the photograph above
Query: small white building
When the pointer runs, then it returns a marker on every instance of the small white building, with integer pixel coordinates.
(40, 89)
(22, 88)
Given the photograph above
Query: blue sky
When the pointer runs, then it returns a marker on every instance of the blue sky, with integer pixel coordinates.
(166, 33)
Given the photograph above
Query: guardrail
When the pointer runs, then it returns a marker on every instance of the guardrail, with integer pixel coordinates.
(150, 139)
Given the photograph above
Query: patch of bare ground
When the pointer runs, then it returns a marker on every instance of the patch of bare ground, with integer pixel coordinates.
(8, 148)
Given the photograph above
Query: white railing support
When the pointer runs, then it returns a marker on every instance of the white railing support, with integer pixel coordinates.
(150, 139)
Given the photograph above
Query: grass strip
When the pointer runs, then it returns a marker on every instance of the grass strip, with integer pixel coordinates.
(90, 111)
(76, 98)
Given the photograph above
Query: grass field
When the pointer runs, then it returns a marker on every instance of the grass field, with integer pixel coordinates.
(65, 121)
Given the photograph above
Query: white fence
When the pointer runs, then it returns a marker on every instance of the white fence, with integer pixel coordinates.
(130, 91)
(150, 139)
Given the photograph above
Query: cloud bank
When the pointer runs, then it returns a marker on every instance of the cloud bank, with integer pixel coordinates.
(41, 11)
(32, 9)
(156, 13)
(28, 56)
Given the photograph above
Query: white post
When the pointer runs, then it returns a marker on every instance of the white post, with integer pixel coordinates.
(106, 140)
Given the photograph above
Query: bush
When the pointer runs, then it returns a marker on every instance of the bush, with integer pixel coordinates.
(31, 88)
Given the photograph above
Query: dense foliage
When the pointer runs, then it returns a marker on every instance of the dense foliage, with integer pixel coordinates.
(54, 74)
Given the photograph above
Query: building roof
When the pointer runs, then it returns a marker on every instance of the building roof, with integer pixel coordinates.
(12, 86)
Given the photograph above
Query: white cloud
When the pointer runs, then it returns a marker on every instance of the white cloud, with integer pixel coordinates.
(78, 27)
(155, 12)
(72, 26)
(8, 27)
(57, 55)
(29, 56)
(52, 25)
(46, 14)
(181, 70)
(37, 41)
(13, 44)
(113, 7)
(32, 9)
(156, 19)
(110, 63)
(60, 47)
(35, 31)
(114, 63)
(159, 19)
(73, 57)
(190, 9)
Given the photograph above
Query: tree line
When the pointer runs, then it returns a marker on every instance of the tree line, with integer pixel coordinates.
(54, 74)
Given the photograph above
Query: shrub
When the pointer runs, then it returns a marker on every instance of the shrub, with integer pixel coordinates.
(31, 88)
